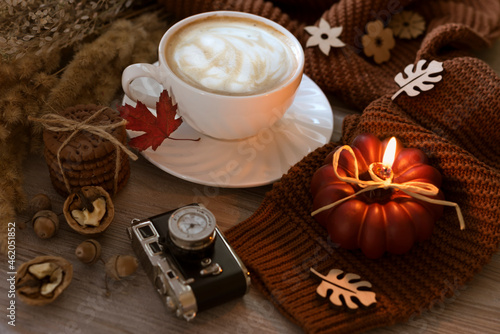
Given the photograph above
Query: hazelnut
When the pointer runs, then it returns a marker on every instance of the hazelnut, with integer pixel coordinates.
(39, 202)
(89, 251)
(45, 224)
(41, 280)
(120, 266)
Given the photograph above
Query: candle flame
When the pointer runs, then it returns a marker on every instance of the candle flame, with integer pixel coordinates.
(390, 153)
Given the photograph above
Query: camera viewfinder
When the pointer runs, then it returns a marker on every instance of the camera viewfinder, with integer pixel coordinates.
(155, 247)
(146, 231)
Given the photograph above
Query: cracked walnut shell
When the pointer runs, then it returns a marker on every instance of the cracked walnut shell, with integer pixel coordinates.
(41, 280)
(89, 211)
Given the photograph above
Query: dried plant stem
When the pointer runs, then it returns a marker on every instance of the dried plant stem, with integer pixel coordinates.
(40, 26)
(12, 197)
(94, 74)
(24, 84)
(36, 84)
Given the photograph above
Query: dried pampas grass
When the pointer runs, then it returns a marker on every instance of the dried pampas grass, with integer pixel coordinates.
(94, 75)
(41, 26)
(36, 84)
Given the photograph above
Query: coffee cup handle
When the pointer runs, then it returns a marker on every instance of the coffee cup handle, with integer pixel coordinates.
(136, 71)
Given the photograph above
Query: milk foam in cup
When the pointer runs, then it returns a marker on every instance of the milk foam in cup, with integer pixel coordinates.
(230, 56)
(232, 74)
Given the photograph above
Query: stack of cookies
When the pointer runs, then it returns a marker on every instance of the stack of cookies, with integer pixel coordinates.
(87, 159)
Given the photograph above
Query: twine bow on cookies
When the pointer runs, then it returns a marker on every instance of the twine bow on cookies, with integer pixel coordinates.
(57, 123)
(415, 189)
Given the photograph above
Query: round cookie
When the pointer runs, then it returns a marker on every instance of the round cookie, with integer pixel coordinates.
(85, 146)
(84, 165)
(87, 159)
(60, 187)
(86, 170)
(95, 179)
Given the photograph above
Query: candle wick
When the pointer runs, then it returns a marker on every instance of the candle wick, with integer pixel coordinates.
(382, 171)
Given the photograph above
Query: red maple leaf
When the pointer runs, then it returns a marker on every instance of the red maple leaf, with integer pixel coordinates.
(156, 129)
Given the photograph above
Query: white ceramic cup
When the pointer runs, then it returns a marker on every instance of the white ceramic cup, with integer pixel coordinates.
(219, 115)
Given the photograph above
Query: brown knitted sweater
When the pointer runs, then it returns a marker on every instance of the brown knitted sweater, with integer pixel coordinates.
(346, 72)
(456, 124)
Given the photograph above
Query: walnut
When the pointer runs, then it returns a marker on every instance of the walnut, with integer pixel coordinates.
(89, 211)
(86, 217)
(41, 280)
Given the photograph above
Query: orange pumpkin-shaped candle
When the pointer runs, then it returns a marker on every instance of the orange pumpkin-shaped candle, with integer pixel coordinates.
(377, 213)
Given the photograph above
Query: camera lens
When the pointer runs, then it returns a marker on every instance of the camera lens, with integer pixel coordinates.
(192, 228)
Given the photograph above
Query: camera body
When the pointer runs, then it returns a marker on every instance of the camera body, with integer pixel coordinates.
(188, 260)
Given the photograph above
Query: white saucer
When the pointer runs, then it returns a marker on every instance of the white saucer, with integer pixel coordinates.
(251, 162)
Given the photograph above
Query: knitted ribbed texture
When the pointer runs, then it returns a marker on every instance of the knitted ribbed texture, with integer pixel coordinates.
(456, 124)
(346, 72)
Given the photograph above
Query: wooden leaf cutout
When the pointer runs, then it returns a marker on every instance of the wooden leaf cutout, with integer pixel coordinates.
(347, 286)
(418, 77)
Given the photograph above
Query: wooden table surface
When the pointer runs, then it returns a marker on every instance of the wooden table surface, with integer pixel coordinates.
(134, 306)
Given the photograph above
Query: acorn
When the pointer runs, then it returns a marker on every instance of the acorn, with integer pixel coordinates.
(89, 251)
(39, 202)
(119, 266)
(45, 224)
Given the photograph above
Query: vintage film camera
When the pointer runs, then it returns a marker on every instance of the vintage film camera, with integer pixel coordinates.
(189, 261)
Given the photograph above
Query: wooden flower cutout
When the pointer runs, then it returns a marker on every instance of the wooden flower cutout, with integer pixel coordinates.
(324, 36)
(378, 41)
(407, 25)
